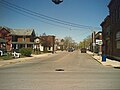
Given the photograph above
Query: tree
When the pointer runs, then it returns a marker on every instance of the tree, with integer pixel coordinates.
(69, 42)
(86, 42)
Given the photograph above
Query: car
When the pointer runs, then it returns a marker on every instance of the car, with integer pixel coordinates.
(70, 50)
(83, 50)
(3, 51)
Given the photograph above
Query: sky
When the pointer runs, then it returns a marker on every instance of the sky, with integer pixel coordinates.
(82, 12)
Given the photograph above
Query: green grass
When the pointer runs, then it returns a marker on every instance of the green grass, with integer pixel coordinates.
(7, 57)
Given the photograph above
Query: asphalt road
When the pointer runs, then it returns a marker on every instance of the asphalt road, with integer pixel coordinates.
(81, 72)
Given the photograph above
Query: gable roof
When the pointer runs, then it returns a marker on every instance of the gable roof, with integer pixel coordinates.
(22, 32)
(19, 32)
(4, 27)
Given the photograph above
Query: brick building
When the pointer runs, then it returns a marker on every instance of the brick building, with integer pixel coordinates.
(5, 38)
(48, 42)
(106, 36)
(111, 36)
(16, 38)
(114, 10)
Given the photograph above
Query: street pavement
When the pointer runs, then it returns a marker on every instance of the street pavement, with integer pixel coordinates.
(108, 62)
(18, 60)
(79, 72)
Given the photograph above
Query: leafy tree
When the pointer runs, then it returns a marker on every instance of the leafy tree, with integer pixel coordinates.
(69, 42)
(86, 42)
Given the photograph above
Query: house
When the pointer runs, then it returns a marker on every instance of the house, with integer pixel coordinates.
(111, 31)
(16, 38)
(5, 38)
(22, 38)
(59, 44)
(48, 42)
(37, 45)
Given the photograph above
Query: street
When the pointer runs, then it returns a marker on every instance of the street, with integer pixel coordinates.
(79, 72)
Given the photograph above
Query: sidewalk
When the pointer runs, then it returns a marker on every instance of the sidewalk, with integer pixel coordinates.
(17, 60)
(108, 62)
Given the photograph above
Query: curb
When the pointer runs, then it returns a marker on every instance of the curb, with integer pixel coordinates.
(97, 60)
(18, 60)
(94, 58)
(105, 63)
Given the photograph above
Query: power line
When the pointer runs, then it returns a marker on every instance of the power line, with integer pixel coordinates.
(38, 19)
(51, 19)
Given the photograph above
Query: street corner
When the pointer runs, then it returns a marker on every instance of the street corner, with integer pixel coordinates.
(98, 59)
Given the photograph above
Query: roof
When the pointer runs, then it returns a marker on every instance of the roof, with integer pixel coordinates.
(116, 2)
(23, 32)
(8, 29)
(19, 32)
(105, 20)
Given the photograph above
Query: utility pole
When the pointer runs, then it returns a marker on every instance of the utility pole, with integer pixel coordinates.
(84, 44)
(93, 40)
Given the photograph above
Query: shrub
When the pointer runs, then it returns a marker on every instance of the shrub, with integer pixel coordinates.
(7, 57)
(26, 51)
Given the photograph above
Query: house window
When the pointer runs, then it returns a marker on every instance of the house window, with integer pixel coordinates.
(118, 40)
(23, 38)
(49, 48)
(118, 44)
(118, 35)
(119, 14)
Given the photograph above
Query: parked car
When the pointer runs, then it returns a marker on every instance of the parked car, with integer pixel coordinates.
(3, 52)
(70, 50)
(83, 50)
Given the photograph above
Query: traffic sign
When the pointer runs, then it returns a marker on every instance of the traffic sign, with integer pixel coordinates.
(99, 42)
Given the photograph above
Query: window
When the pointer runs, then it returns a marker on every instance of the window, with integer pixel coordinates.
(23, 38)
(119, 13)
(118, 44)
(118, 35)
(118, 39)
(49, 48)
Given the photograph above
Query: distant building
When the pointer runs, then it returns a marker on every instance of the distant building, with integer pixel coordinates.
(37, 44)
(93, 44)
(48, 43)
(59, 44)
(98, 42)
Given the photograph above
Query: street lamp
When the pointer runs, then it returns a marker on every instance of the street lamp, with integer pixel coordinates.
(57, 1)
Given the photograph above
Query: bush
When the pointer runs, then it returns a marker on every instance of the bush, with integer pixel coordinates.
(7, 57)
(26, 51)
